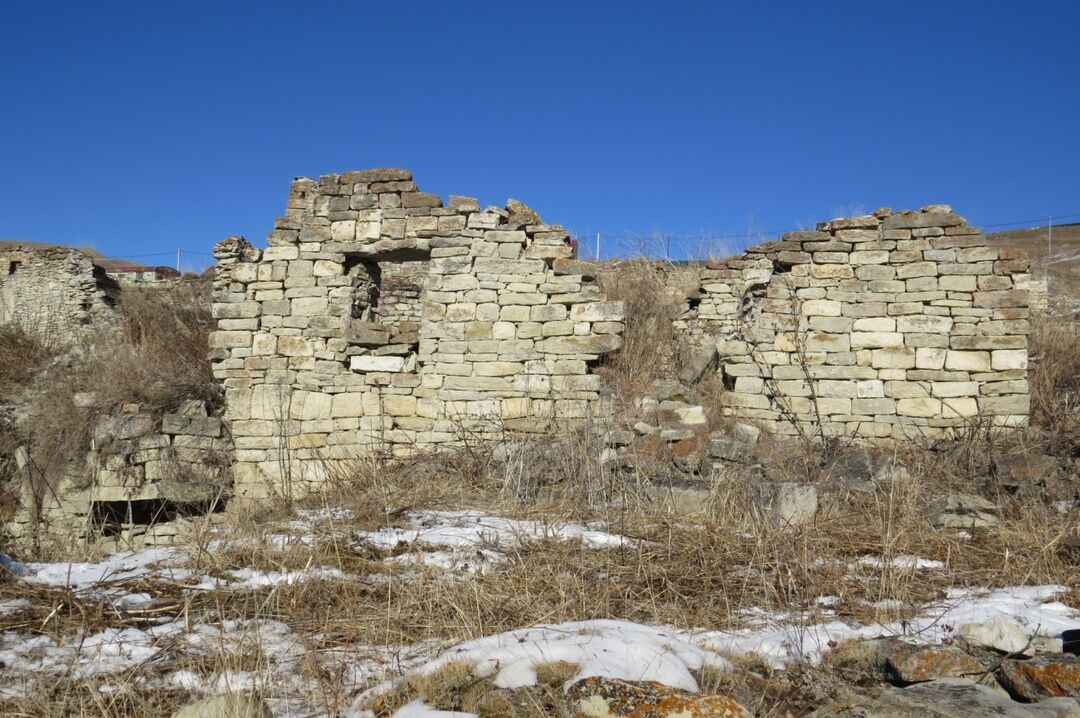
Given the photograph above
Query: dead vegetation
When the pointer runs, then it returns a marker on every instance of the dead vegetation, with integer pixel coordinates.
(705, 571)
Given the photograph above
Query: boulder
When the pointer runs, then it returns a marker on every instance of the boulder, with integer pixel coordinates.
(860, 468)
(600, 697)
(1047, 676)
(233, 705)
(735, 445)
(1023, 473)
(784, 503)
(961, 511)
(999, 634)
(699, 364)
(912, 663)
(949, 698)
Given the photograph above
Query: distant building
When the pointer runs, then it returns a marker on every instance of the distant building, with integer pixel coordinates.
(123, 270)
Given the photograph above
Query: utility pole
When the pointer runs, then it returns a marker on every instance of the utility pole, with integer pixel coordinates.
(1050, 239)
(178, 260)
(597, 246)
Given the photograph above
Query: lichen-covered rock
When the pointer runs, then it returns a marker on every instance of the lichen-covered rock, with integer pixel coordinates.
(911, 663)
(949, 698)
(599, 697)
(961, 511)
(1041, 677)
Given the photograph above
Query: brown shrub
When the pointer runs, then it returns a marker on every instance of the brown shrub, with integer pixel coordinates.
(1055, 381)
(654, 294)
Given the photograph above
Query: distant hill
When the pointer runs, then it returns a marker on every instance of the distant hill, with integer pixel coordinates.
(1062, 265)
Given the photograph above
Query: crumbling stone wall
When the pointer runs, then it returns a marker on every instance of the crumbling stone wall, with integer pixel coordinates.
(52, 292)
(887, 326)
(143, 472)
(380, 319)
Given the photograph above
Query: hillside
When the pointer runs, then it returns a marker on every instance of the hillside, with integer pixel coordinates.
(1062, 266)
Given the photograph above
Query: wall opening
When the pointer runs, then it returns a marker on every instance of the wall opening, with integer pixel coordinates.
(13, 267)
(111, 518)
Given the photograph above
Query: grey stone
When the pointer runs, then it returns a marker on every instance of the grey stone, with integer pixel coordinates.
(950, 698)
(999, 634)
(961, 511)
(784, 503)
(699, 364)
(861, 468)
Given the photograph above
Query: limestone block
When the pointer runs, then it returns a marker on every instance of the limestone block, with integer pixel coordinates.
(349, 404)
(917, 269)
(924, 323)
(893, 358)
(1006, 404)
(869, 257)
(377, 363)
(1005, 359)
(597, 312)
(1009, 298)
(876, 340)
(959, 408)
(820, 307)
(923, 407)
(874, 324)
(929, 358)
(597, 344)
(967, 360)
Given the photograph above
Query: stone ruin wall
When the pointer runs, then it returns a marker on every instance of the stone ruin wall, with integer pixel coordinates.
(143, 471)
(54, 293)
(379, 319)
(890, 326)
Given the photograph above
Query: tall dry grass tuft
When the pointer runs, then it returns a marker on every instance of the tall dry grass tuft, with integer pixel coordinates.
(654, 294)
(160, 355)
(1055, 381)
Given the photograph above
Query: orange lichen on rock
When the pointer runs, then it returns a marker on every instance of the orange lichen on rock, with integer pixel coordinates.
(599, 697)
(915, 663)
(1053, 676)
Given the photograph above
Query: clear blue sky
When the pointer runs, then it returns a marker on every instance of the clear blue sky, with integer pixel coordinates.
(142, 127)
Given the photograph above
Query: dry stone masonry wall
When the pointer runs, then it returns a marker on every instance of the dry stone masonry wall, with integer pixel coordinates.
(378, 318)
(53, 293)
(144, 471)
(887, 326)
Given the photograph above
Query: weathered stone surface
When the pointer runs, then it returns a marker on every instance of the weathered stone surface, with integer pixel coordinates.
(961, 511)
(999, 634)
(699, 364)
(861, 468)
(784, 503)
(600, 697)
(914, 663)
(949, 698)
(1048, 676)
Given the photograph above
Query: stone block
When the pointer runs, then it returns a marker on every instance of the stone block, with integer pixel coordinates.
(377, 363)
(967, 360)
(784, 503)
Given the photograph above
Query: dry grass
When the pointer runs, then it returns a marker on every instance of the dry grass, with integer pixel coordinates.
(1055, 382)
(705, 572)
(689, 574)
(155, 357)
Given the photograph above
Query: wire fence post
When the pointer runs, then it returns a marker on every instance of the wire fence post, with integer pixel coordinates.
(1050, 239)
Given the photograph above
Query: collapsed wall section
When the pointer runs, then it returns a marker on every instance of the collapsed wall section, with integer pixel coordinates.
(378, 319)
(886, 326)
(53, 293)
